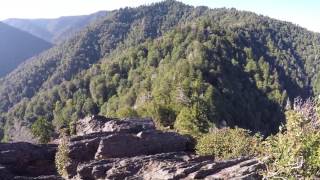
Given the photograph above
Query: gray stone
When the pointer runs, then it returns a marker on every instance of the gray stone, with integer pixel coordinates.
(175, 165)
(143, 143)
(133, 149)
(121, 149)
(97, 124)
(27, 160)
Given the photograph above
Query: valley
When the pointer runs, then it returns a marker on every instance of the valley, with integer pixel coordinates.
(233, 85)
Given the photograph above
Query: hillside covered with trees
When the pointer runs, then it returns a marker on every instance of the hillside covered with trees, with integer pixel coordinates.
(190, 69)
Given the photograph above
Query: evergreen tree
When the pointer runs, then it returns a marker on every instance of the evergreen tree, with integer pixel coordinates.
(42, 129)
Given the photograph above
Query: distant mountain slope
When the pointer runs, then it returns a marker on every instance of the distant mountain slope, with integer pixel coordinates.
(189, 68)
(16, 46)
(55, 30)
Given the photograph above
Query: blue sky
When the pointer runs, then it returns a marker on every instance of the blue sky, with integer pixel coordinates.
(303, 12)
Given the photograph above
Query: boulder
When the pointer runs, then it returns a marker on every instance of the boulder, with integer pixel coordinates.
(51, 177)
(104, 145)
(111, 148)
(5, 174)
(96, 124)
(175, 165)
(26, 160)
(143, 143)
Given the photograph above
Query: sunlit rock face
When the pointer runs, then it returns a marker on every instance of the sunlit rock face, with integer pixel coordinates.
(109, 148)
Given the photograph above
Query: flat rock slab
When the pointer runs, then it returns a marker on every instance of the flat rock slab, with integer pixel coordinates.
(96, 124)
(143, 143)
(106, 145)
(178, 165)
(109, 148)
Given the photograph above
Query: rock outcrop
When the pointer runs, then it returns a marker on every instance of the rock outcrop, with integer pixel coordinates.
(107, 148)
(23, 160)
(96, 123)
(175, 165)
(143, 143)
(114, 138)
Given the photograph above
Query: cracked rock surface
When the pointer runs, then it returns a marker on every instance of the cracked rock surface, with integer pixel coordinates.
(107, 148)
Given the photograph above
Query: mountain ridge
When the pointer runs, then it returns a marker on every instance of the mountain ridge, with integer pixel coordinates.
(235, 69)
(55, 30)
(14, 40)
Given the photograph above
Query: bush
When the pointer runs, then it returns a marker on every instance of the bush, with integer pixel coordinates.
(229, 143)
(192, 120)
(42, 129)
(187, 123)
(163, 115)
(126, 112)
(295, 150)
(61, 158)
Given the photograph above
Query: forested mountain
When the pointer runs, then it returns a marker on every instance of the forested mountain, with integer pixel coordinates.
(55, 30)
(16, 46)
(190, 69)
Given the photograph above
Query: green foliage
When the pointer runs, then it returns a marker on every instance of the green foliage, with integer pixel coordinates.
(187, 122)
(316, 86)
(223, 66)
(191, 121)
(164, 116)
(295, 151)
(42, 129)
(61, 158)
(126, 112)
(311, 152)
(191, 69)
(229, 143)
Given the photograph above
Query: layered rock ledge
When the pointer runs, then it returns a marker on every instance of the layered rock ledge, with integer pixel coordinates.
(109, 148)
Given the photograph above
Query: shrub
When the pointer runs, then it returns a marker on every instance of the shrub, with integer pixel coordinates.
(126, 112)
(295, 150)
(163, 115)
(42, 129)
(61, 158)
(192, 120)
(186, 122)
(229, 143)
